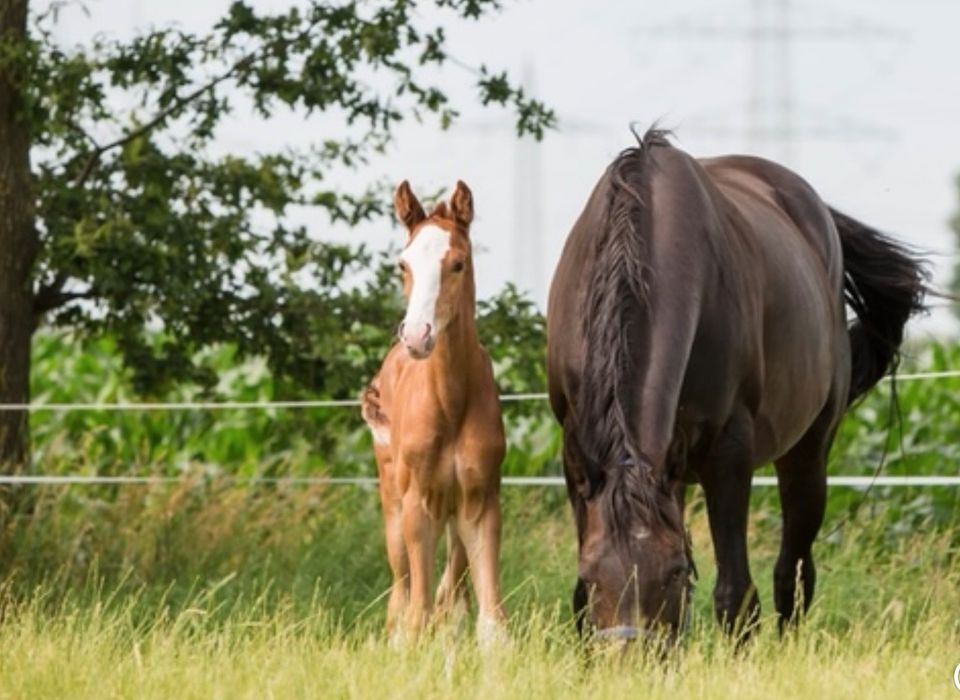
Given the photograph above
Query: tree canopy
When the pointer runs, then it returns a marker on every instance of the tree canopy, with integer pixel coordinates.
(153, 232)
(127, 221)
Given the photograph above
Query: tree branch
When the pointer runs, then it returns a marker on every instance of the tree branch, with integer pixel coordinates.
(99, 150)
(50, 298)
(163, 114)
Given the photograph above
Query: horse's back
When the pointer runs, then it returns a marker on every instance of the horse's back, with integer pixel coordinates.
(756, 186)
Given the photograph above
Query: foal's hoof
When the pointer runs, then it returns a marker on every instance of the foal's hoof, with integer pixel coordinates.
(399, 638)
(492, 633)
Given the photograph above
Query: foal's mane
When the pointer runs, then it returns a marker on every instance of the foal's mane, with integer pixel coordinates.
(616, 317)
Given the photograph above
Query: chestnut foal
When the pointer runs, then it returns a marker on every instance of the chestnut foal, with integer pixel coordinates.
(437, 428)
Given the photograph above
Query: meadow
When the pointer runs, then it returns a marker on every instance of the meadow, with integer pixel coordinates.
(217, 587)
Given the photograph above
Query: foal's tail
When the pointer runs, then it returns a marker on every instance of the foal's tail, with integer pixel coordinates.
(884, 283)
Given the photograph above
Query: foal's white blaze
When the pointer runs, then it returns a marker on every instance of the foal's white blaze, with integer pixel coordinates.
(425, 259)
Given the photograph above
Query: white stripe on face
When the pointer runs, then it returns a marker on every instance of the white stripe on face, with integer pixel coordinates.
(425, 258)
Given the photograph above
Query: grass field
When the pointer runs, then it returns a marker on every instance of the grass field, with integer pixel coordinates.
(210, 589)
(225, 593)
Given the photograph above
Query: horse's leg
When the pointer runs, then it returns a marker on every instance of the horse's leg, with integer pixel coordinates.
(452, 593)
(393, 528)
(726, 485)
(680, 496)
(802, 481)
(420, 534)
(574, 472)
(479, 526)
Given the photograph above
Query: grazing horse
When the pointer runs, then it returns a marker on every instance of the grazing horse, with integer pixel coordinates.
(437, 427)
(696, 330)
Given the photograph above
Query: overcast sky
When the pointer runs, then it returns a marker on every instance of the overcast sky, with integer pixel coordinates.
(869, 95)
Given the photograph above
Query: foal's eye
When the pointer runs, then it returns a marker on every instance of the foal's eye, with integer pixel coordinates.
(402, 265)
(457, 266)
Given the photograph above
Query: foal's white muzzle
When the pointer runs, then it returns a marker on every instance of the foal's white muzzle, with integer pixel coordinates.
(417, 338)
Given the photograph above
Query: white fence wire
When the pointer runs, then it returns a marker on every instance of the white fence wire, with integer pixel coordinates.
(210, 405)
(370, 481)
(365, 481)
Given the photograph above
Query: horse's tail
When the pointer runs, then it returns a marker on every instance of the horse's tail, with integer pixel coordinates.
(884, 283)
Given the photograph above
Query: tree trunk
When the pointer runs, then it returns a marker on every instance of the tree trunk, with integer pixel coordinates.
(18, 244)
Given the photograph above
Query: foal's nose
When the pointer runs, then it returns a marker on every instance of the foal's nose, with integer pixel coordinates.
(417, 337)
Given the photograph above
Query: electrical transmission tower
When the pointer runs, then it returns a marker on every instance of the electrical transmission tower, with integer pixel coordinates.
(773, 33)
(529, 273)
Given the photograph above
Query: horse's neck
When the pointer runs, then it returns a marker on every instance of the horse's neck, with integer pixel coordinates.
(451, 361)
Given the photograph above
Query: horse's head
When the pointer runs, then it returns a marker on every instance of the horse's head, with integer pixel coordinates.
(635, 565)
(436, 264)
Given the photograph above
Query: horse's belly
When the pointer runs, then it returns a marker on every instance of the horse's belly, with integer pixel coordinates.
(791, 403)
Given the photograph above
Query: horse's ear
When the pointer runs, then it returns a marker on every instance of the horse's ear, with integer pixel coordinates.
(408, 207)
(461, 204)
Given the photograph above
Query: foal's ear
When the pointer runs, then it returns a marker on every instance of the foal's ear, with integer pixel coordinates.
(408, 207)
(461, 204)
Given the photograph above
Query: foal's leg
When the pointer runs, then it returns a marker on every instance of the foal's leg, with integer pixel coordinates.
(452, 594)
(726, 484)
(802, 481)
(399, 565)
(396, 551)
(479, 526)
(420, 534)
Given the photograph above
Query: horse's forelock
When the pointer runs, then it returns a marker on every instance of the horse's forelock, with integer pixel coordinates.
(634, 496)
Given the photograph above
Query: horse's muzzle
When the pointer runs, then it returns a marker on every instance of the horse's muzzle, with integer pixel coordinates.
(660, 636)
(418, 339)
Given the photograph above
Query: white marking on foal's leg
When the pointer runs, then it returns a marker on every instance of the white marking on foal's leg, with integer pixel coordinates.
(399, 638)
(491, 632)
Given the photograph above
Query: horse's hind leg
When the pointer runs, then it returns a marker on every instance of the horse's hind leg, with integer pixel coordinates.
(802, 481)
(452, 593)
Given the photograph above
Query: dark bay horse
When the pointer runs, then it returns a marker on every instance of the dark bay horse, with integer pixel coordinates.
(697, 330)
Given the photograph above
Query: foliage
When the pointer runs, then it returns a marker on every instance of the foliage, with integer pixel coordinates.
(335, 441)
(143, 224)
(69, 368)
(919, 434)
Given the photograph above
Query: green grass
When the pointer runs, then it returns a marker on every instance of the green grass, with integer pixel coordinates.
(207, 590)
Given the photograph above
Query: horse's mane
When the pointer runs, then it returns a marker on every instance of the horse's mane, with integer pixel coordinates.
(615, 318)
